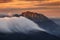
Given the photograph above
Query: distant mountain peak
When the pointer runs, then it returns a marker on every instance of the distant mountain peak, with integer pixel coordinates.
(32, 15)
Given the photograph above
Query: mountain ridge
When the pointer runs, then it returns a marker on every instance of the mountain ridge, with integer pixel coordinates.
(44, 22)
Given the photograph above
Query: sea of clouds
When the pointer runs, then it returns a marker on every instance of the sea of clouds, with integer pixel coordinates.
(23, 25)
(17, 24)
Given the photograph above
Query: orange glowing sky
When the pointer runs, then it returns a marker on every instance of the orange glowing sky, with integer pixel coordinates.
(48, 7)
(27, 4)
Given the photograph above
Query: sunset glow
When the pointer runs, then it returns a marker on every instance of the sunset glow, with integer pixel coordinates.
(51, 6)
(25, 4)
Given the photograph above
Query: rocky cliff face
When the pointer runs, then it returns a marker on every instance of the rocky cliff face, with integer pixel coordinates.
(43, 22)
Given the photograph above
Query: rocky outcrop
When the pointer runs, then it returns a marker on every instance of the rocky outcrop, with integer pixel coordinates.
(16, 15)
(33, 15)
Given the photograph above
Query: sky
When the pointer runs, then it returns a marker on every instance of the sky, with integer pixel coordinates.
(50, 8)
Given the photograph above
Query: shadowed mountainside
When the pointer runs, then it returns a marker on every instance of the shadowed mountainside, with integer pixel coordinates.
(33, 36)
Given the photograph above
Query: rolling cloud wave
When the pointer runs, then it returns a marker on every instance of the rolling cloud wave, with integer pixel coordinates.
(15, 24)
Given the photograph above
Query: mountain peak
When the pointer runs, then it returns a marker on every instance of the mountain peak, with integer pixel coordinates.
(32, 15)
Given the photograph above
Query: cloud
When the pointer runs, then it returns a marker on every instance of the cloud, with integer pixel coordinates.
(50, 4)
(18, 24)
(5, 1)
(31, 0)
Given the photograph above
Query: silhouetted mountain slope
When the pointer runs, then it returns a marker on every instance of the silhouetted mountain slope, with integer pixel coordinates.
(31, 36)
(56, 20)
(44, 22)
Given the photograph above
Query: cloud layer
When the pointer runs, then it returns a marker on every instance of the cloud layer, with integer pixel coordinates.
(5, 1)
(18, 24)
(30, 3)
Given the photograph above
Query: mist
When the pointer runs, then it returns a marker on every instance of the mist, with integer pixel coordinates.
(22, 25)
(18, 24)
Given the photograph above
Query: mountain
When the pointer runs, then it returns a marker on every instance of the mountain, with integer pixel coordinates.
(26, 24)
(56, 20)
(44, 22)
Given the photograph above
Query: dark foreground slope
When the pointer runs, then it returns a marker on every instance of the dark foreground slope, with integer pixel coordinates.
(33, 36)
